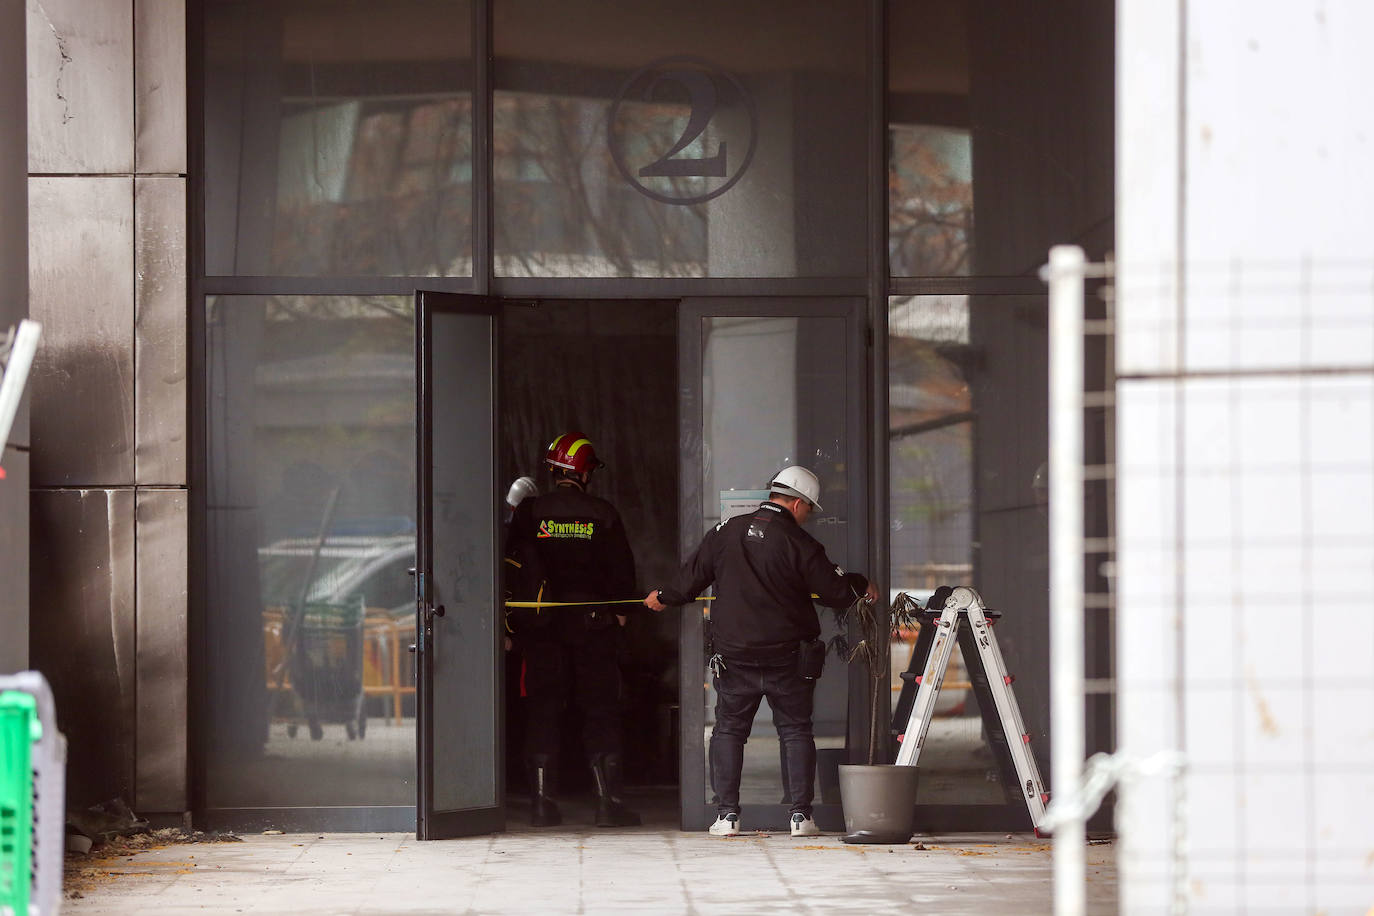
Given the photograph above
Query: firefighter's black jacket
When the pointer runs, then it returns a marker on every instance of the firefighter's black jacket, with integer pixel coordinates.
(568, 545)
(765, 569)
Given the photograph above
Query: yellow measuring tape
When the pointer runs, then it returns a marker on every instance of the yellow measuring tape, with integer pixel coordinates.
(580, 603)
(538, 604)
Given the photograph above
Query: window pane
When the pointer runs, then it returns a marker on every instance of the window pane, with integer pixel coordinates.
(794, 414)
(1000, 127)
(930, 200)
(930, 147)
(714, 139)
(929, 404)
(932, 441)
(338, 138)
(311, 528)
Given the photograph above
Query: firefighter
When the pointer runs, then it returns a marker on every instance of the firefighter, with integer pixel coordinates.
(567, 545)
(764, 635)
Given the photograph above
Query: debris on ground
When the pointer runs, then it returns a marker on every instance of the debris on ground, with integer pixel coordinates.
(112, 829)
(119, 846)
(166, 836)
(108, 819)
(102, 835)
(83, 871)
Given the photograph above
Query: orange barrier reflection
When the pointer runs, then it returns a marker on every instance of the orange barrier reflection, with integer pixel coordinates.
(387, 667)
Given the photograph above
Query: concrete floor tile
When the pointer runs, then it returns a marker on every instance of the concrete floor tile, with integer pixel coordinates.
(642, 871)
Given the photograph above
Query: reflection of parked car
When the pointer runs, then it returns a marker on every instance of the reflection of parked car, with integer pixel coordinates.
(348, 566)
(354, 619)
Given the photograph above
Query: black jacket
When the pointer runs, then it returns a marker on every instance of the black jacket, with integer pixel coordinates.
(765, 569)
(568, 545)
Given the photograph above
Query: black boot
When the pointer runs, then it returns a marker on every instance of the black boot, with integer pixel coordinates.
(610, 809)
(543, 809)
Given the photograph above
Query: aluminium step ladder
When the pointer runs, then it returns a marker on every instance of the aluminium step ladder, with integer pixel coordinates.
(962, 617)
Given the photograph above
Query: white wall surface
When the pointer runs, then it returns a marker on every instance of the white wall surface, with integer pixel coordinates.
(1246, 453)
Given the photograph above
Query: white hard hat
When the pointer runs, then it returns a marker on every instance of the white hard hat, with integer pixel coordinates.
(797, 481)
(521, 488)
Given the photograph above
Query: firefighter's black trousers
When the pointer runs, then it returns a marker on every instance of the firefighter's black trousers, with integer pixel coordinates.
(587, 674)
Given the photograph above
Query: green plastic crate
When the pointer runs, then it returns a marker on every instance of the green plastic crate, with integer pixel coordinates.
(33, 783)
(20, 730)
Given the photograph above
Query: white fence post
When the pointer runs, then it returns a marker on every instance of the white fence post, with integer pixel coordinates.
(1067, 268)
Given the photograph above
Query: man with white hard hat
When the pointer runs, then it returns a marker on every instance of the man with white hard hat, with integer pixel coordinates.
(764, 634)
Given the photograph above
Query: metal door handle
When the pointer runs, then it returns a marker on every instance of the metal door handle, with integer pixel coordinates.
(439, 611)
(412, 648)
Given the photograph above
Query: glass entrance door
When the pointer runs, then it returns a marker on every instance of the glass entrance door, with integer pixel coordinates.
(767, 383)
(458, 608)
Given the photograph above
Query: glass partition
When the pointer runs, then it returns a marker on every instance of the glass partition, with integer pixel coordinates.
(929, 200)
(710, 138)
(930, 147)
(967, 507)
(931, 429)
(311, 533)
(774, 394)
(338, 138)
(999, 131)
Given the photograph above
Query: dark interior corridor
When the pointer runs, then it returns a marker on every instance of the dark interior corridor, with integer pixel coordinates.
(608, 369)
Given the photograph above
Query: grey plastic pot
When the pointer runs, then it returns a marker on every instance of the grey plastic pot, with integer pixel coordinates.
(879, 802)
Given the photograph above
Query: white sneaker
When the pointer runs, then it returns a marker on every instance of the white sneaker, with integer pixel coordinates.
(804, 826)
(725, 825)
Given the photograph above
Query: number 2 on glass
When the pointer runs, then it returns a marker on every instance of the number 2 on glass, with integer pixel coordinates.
(702, 93)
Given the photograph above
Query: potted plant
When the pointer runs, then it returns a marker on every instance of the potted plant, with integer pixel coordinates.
(879, 799)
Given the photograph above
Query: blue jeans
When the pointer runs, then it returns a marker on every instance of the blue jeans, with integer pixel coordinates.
(739, 689)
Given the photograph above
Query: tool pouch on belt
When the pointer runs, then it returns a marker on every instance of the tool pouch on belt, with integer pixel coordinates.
(810, 658)
(599, 618)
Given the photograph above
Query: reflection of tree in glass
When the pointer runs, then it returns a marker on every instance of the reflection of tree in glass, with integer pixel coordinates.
(564, 209)
(931, 460)
(930, 201)
(925, 494)
(404, 204)
(340, 370)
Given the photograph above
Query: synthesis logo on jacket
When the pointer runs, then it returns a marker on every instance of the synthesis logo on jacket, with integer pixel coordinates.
(552, 529)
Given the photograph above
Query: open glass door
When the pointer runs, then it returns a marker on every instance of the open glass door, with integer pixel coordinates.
(458, 626)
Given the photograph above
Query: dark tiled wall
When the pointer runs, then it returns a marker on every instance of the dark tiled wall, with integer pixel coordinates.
(107, 278)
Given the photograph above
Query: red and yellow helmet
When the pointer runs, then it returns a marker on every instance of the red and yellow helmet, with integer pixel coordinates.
(573, 452)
